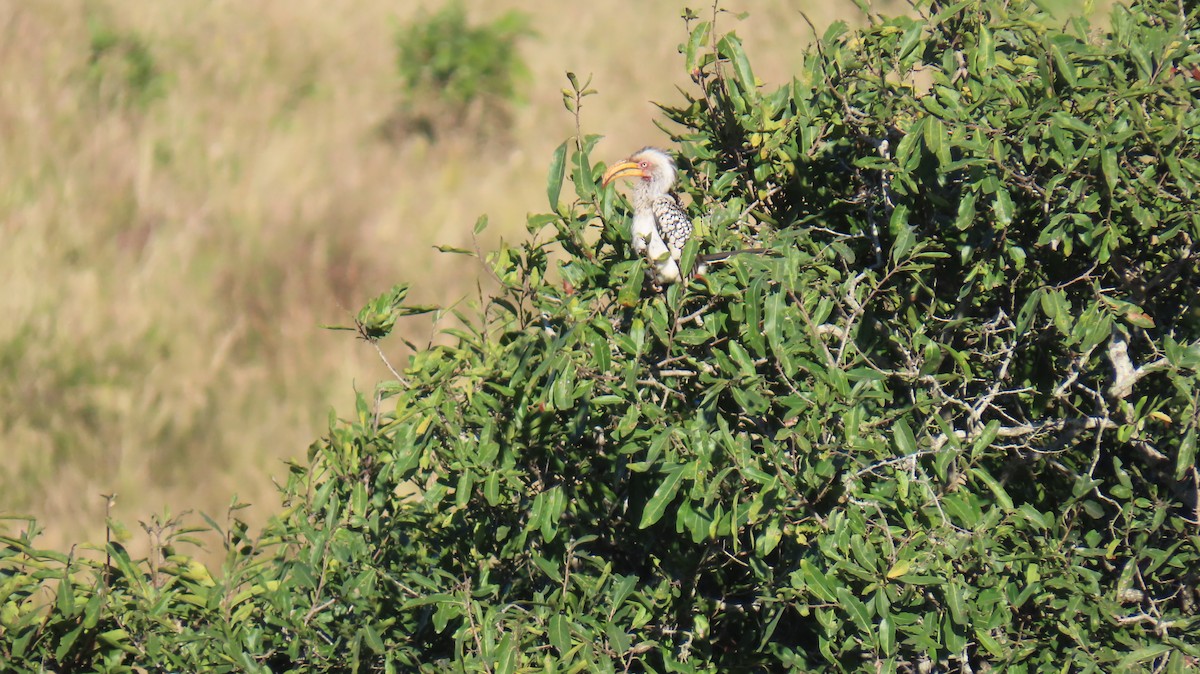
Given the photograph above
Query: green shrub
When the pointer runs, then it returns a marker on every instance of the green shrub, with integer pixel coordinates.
(455, 75)
(949, 423)
(122, 70)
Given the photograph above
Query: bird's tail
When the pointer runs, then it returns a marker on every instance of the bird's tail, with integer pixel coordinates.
(703, 261)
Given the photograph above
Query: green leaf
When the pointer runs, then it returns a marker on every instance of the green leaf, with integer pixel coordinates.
(549, 567)
(856, 608)
(118, 638)
(956, 600)
(1065, 121)
(560, 633)
(662, 497)
(491, 488)
(753, 304)
(1140, 655)
(989, 643)
(1029, 310)
(906, 442)
(910, 40)
(730, 47)
(558, 169)
(371, 638)
(906, 157)
(983, 442)
(966, 212)
(555, 506)
(618, 639)
(817, 581)
(905, 237)
(984, 54)
(1187, 454)
(698, 523)
(934, 132)
(887, 635)
(1063, 65)
(1108, 164)
(66, 641)
(1002, 497)
(622, 590)
(65, 602)
(695, 41)
(1141, 59)
(506, 655)
(773, 321)
(769, 539)
(581, 174)
(742, 357)
(937, 140)
(462, 491)
(1003, 208)
(921, 580)
(631, 290)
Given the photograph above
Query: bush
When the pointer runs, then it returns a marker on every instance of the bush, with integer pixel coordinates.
(455, 75)
(122, 70)
(949, 423)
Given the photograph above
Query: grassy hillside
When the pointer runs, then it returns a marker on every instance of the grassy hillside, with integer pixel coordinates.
(188, 190)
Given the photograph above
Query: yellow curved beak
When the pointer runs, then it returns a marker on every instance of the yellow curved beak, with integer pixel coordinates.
(624, 169)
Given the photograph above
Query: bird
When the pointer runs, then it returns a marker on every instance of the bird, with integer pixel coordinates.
(661, 228)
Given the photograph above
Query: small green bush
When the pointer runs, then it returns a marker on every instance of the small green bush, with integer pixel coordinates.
(948, 424)
(454, 74)
(122, 70)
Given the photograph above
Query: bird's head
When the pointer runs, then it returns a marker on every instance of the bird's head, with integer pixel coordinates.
(654, 168)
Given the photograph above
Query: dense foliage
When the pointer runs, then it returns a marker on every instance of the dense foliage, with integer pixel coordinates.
(949, 423)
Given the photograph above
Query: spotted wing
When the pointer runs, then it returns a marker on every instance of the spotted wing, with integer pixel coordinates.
(674, 225)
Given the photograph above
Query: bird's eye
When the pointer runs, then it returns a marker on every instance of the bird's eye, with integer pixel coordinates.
(644, 164)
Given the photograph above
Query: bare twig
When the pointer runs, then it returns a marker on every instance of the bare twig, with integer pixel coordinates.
(1023, 430)
(386, 362)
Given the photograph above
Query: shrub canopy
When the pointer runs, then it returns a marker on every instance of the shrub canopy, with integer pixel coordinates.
(948, 423)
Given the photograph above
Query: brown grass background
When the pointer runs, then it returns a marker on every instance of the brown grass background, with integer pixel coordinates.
(165, 268)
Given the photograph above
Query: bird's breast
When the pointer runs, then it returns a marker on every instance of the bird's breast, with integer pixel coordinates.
(644, 230)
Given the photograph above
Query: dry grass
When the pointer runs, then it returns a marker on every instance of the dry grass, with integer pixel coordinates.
(166, 264)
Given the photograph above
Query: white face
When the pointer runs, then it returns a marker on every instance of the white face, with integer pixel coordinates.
(657, 167)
